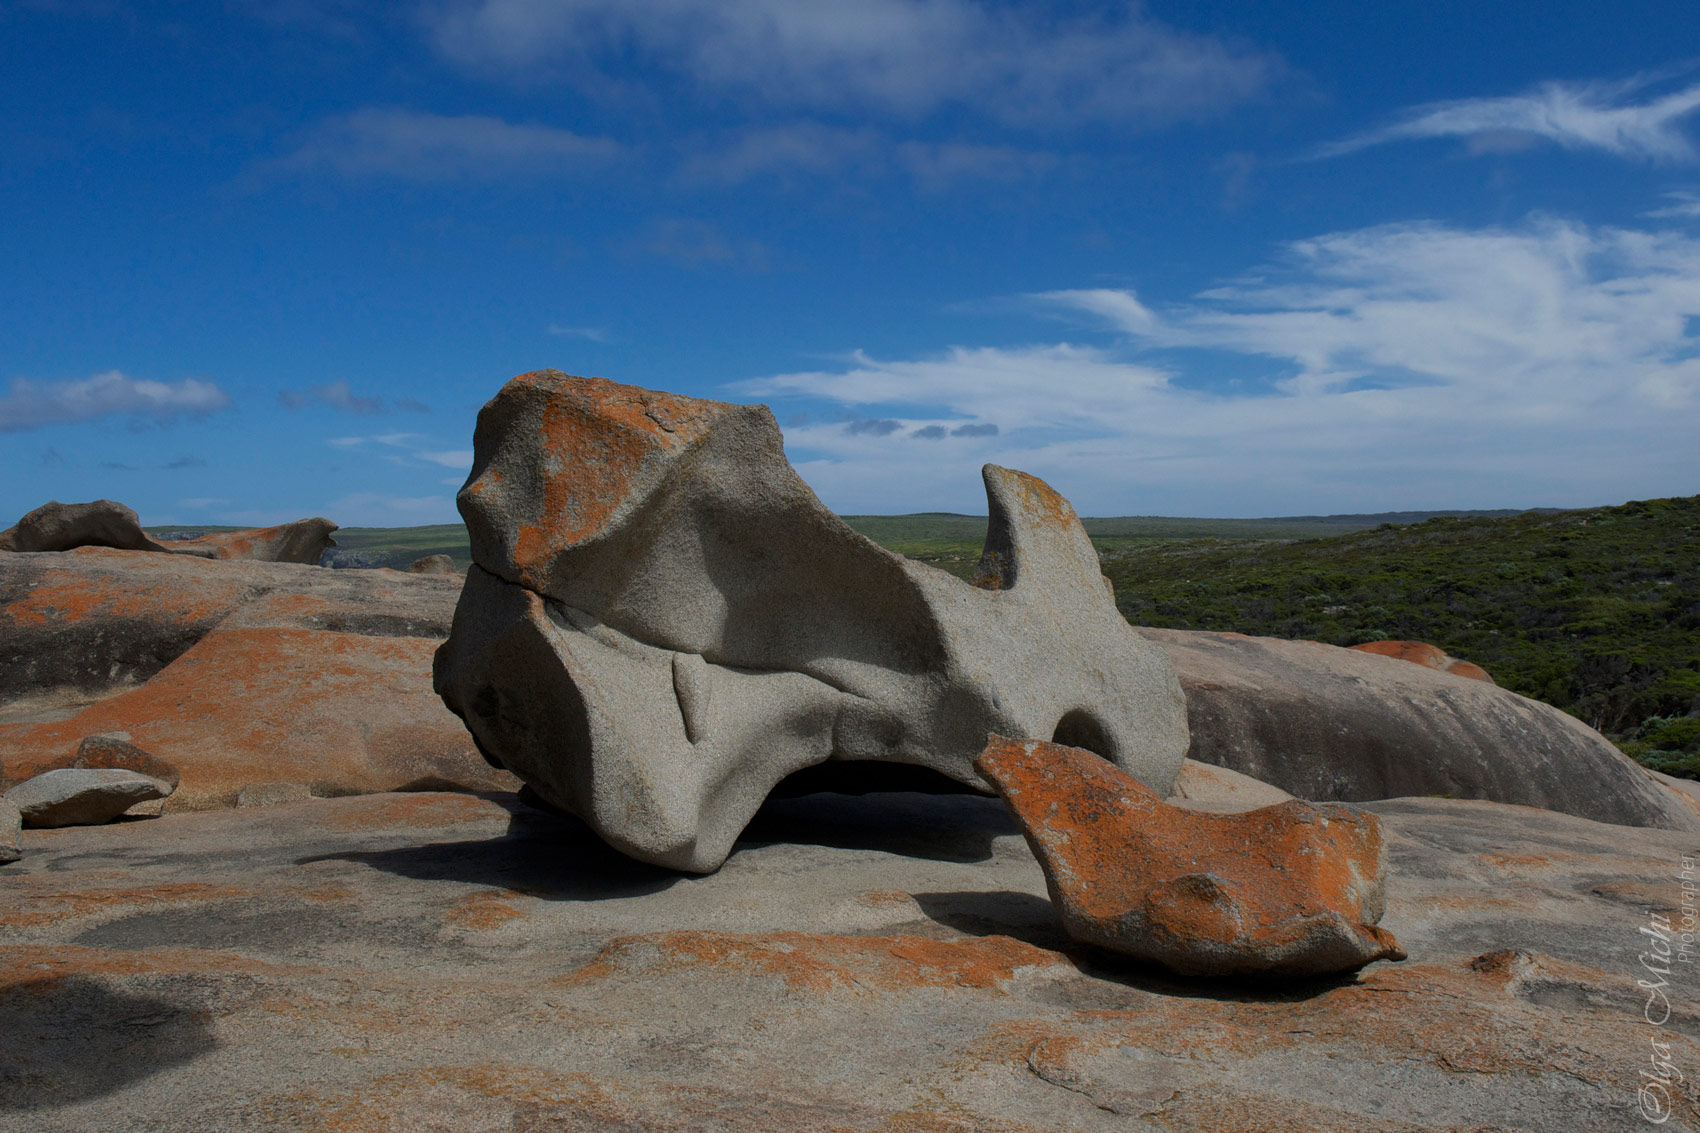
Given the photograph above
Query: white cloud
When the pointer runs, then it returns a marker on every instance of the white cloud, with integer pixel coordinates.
(1400, 366)
(1597, 116)
(374, 509)
(1684, 204)
(459, 458)
(1018, 63)
(30, 404)
(411, 145)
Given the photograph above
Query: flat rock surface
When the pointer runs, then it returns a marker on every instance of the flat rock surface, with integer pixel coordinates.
(452, 962)
(83, 796)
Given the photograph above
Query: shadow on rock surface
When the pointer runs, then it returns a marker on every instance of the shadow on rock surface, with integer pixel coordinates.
(944, 828)
(1001, 912)
(550, 856)
(70, 1040)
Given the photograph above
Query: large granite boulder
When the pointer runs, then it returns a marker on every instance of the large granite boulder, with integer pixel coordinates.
(1332, 724)
(233, 673)
(1290, 890)
(82, 796)
(662, 622)
(59, 527)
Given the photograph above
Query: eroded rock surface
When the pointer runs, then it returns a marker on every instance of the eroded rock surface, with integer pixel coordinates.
(1289, 890)
(82, 796)
(662, 622)
(11, 826)
(887, 964)
(235, 673)
(1332, 724)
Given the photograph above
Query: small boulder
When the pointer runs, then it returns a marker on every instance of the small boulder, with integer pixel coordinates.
(11, 823)
(433, 564)
(1422, 653)
(60, 527)
(82, 796)
(1292, 890)
(114, 750)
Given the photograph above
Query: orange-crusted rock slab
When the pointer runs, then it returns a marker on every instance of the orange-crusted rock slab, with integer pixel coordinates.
(1289, 890)
(1422, 653)
(302, 541)
(342, 712)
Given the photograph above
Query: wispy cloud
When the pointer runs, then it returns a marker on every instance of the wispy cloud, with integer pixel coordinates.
(1579, 116)
(1406, 365)
(697, 243)
(1684, 203)
(816, 149)
(30, 404)
(592, 334)
(1018, 63)
(336, 395)
(417, 146)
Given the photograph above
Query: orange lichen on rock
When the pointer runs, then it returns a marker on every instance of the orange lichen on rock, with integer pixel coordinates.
(819, 962)
(593, 438)
(483, 911)
(344, 712)
(1429, 656)
(33, 907)
(1292, 889)
(72, 594)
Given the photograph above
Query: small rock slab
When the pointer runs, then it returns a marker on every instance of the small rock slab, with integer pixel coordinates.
(82, 796)
(1291, 890)
(114, 750)
(11, 823)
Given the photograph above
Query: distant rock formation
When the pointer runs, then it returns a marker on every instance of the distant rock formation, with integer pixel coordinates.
(433, 564)
(1422, 653)
(106, 523)
(1289, 890)
(662, 622)
(59, 527)
(1332, 724)
(303, 541)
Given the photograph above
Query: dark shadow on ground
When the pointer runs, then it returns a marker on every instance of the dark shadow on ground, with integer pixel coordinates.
(946, 828)
(542, 854)
(998, 912)
(70, 1040)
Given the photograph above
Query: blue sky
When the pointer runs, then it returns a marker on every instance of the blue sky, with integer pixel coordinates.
(265, 260)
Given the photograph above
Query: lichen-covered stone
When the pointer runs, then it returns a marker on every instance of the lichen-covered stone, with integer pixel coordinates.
(1422, 653)
(1288, 890)
(662, 622)
(303, 541)
(114, 750)
(59, 527)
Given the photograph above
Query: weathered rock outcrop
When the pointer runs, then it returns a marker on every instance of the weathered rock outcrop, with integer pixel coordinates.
(433, 564)
(1422, 653)
(1332, 724)
(663, 622)
(106, 523)
(82, 796)
(303, 541)
(235, 673)
(59, 527)
(1290, 890)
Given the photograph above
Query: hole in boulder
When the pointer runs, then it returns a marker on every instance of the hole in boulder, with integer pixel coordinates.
(866, 777)
(1079, 728)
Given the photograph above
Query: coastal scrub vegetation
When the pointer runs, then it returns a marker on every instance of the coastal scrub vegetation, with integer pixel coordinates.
(1595, 611)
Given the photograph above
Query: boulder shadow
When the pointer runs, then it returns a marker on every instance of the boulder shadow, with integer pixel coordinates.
(1000, 912)
(935, 827)
(541, 854)
(71, 1040)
